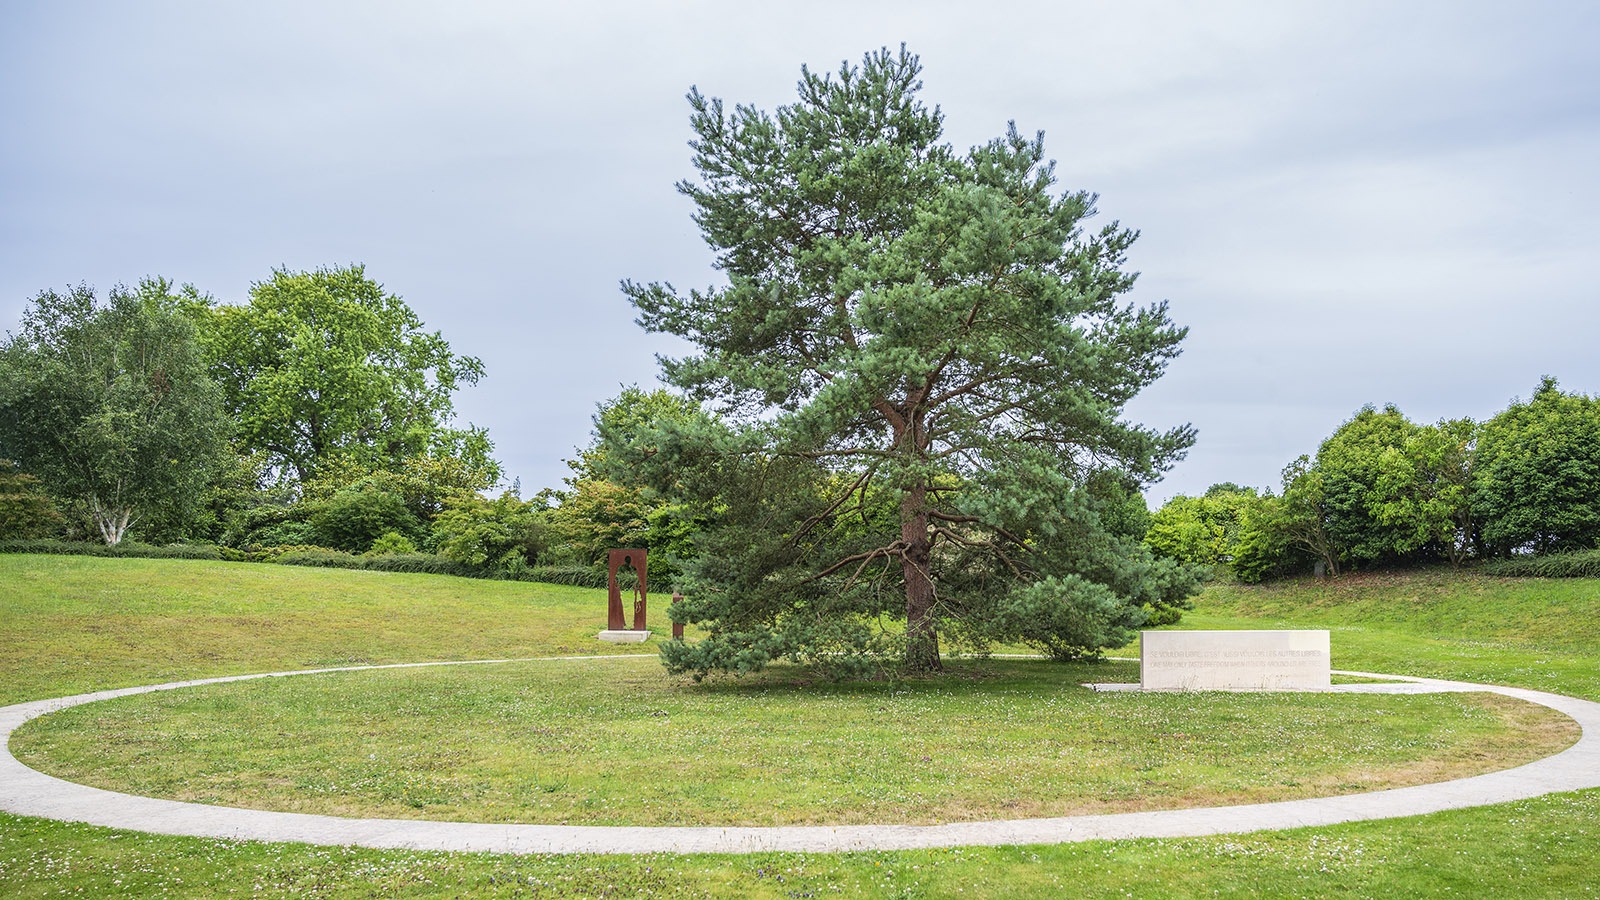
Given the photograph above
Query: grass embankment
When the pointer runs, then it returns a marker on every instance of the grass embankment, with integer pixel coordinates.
(75, 624)
(572, 743)
(53, 608)
(1529, 632)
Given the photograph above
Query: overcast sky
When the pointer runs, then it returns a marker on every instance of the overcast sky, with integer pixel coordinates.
(1347, 203)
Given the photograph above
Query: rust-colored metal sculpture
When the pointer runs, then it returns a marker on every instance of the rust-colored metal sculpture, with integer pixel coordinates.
(677, 627)
(625, 562)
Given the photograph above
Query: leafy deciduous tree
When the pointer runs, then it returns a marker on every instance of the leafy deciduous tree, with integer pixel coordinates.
(1536, 478)
(1381, 489)
(325, 365)
(609, 504)
(1351, 463)
(1202, 530)
(110, 404)
(1301, 514)
(1425, 490)
(1266, 547)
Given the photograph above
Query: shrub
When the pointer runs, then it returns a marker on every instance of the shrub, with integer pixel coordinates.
(280, 523)
(25, 510)
(357, 516)
(271, 553)
(50, 545)
(422, 564)
(391, 543)
(285, 534)
(506, 534)
(321, 557)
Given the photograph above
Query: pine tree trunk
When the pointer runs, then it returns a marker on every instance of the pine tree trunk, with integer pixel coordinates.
(922, 639)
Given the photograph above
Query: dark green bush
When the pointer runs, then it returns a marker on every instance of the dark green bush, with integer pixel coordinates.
(358, 515)
(184, 551)
(1577, 564)
(422, 563)
(285, 534)
(279, 522)
(26, 511)
(48, 545)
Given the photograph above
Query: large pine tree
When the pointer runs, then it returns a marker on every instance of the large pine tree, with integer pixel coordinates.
(920, 362)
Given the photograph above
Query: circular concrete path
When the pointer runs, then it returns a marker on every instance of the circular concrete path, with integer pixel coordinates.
(24, 791)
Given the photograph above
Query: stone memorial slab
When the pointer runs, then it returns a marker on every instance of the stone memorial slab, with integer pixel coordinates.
(1234, 660)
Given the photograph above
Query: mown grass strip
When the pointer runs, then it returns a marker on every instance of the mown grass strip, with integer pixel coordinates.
(1530, 850)
(618, 742)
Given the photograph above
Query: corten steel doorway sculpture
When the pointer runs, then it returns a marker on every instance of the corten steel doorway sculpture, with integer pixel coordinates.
(621, 561)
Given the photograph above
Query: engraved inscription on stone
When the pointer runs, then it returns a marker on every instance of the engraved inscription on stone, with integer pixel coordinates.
(1224, 660)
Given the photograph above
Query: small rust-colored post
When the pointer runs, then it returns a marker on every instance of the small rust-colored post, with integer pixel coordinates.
(677, 627)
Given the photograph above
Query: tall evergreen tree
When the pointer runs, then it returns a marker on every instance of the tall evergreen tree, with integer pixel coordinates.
(921, 360)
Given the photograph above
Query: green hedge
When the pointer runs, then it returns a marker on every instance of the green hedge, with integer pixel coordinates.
(303, 555)
(429, 564)
(424, 563)
(126, 549)
(577, 576)
(1578, 564)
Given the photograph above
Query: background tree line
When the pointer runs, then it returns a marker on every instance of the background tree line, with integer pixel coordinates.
(316, 417)
(1384, 491)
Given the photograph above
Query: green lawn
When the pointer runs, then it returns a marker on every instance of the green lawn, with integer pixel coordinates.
(573, 742)
(69, 625)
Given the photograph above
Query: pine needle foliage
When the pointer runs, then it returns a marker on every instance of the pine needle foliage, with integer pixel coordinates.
(915, 377)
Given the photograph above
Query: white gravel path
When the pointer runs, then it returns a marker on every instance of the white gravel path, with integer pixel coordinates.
(24, 791)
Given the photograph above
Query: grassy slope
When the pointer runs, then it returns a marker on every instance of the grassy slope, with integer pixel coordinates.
(72, 624)
(1530, 632)
(173, 619)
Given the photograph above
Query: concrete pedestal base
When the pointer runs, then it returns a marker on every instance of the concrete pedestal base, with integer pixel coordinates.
(625, 637)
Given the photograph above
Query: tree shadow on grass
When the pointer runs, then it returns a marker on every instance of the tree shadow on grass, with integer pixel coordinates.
(960, 676)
